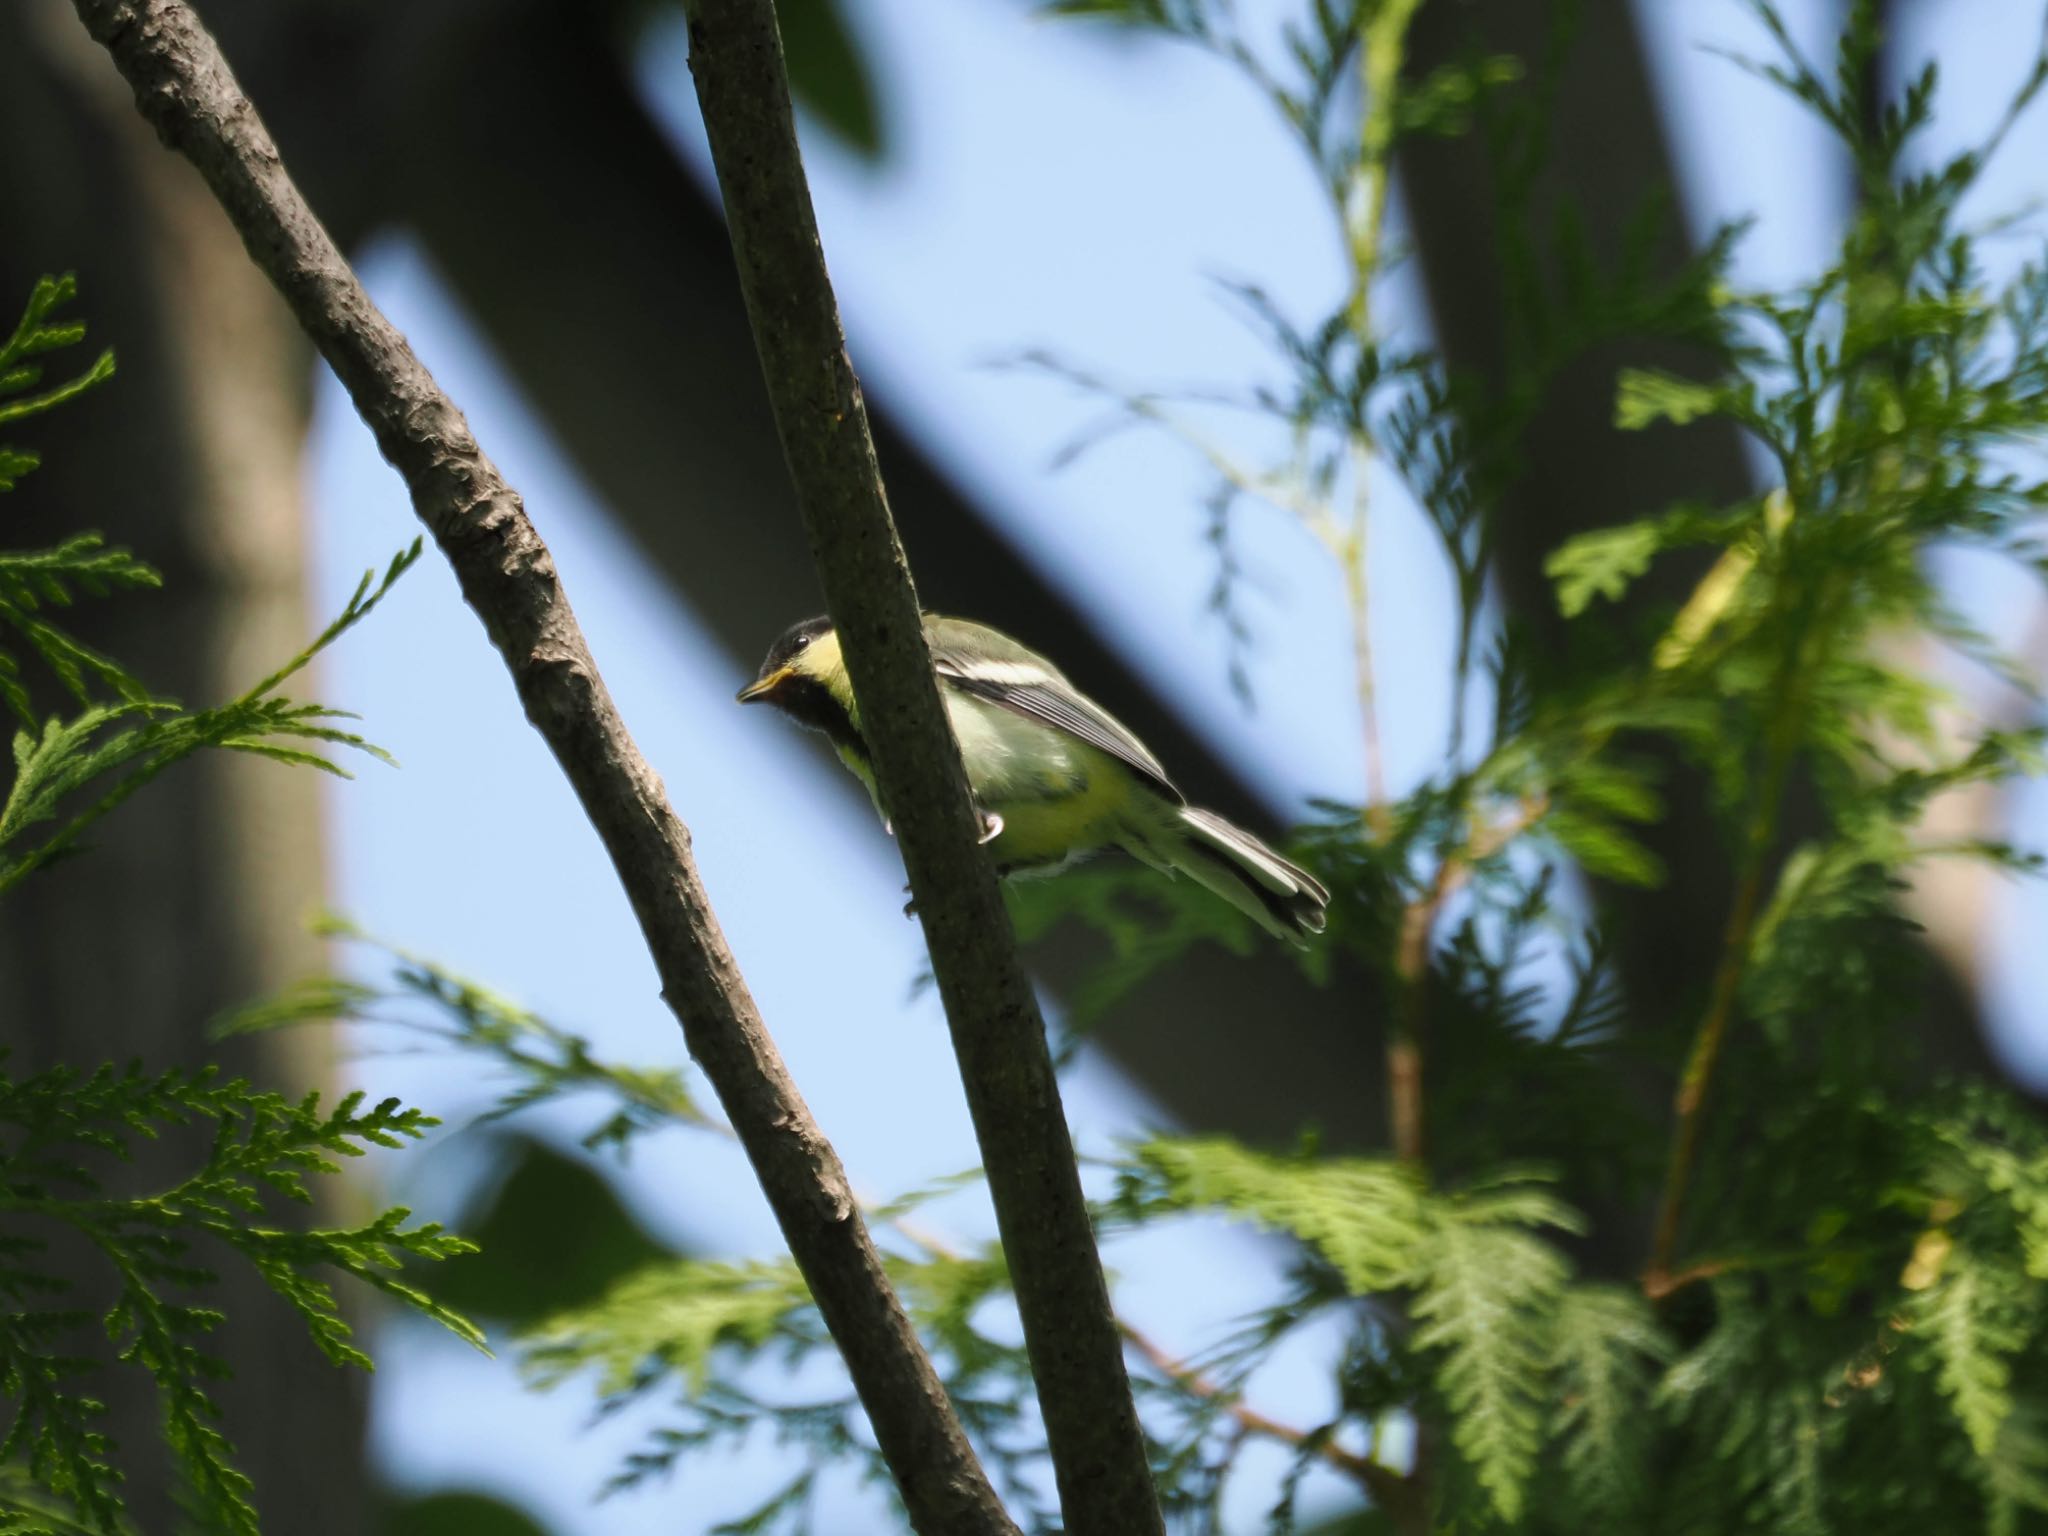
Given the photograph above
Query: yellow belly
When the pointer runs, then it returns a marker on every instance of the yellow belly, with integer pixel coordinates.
(1059, 798)
(1045, 832)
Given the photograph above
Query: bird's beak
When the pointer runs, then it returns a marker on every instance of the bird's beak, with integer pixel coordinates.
(764, 687)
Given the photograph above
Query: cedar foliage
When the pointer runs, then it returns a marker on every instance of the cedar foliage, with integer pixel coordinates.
(102, 736)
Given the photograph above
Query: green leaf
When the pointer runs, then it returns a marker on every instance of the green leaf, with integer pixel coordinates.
(15, 463)
(668, 1316)
(1647, 397)
(1601, 848)
(1607, 1352)
(553, 1236)
(543, 1061)
(1601, 564)
(34, 335)
(1136, 13)
(80, 770)
(53, 1126)
(830, 75)
(456, 1514)
(1966, 1319)
(1367, 1217)
(1487, 1291)
(793, 1498)
(1441, 103)
(1147, 923)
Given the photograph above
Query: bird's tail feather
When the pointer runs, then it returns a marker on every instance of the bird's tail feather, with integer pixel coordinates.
(1280, 896)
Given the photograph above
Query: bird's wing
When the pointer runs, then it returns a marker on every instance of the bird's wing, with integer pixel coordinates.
(991, 666)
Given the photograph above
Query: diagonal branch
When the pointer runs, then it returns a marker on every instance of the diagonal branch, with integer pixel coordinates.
(183, 87)
(1098, 1450)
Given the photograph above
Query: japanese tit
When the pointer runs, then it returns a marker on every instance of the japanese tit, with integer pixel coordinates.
(1056, 777)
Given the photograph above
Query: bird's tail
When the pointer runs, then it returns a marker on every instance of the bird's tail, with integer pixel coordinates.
(1281, 897)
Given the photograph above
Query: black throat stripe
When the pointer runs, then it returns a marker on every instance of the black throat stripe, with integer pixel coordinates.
(809, 702)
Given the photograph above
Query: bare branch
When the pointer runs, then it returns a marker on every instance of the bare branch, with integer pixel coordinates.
(1098, 1452)
(183, 87)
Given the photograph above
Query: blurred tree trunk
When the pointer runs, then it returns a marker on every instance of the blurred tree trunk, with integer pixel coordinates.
(1607, 153)
(194, 896)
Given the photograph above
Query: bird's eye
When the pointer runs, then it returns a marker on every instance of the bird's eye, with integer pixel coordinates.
(802, 641)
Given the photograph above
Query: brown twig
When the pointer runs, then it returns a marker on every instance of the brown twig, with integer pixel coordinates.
(1689, 1104)
(1411, 974)
(1404, 1039)
(184, 88)
(1383, 1485)
(1353, 551)
(1098, 1452)
(1381, 46)
(1658, 1279)
(1658, 1284)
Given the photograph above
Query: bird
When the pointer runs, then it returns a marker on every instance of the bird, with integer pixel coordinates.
(1056, 778)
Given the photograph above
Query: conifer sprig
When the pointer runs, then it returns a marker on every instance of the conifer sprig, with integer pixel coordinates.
(32, 581)
(72, 769)
(65, 1134)
(539, 1060)
(75, 770)
(37, 333)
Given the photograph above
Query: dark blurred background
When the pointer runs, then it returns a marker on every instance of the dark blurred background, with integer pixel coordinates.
(523, 183)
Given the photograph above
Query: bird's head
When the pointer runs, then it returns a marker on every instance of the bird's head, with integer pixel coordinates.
(803, 674)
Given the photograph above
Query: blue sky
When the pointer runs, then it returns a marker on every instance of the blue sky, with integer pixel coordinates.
(1055, 187)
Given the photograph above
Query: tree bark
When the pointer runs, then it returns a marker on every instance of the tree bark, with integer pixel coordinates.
(183, 87)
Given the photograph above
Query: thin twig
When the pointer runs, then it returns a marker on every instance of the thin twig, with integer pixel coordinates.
(1382, 1484)
(1353, 553)
(1098, 1450)
(1378, 1481)
(184, 88)
(1658, 1280)
(1658, 1284)
(1404, 1038)
(1689, 1104)
(1411, 971)
(1657, 1287)
(1381, 47)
